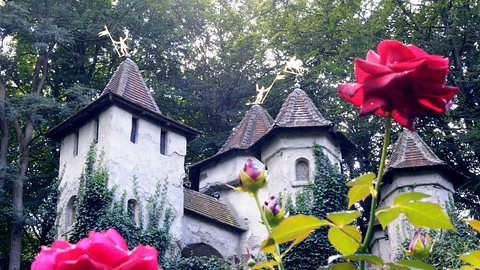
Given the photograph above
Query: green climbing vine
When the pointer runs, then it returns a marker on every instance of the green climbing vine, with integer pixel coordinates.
(98, 210)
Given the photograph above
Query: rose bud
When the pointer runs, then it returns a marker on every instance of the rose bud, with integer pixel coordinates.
(251, 179)
(273, 212)
(420, 246)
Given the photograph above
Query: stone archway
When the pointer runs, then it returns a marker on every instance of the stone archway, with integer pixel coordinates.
(200, 250)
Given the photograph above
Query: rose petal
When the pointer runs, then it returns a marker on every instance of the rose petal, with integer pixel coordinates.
(393, 51)
(44, 261)
(100, 245)
(364, 69)
(82, 263)
(116, 238)
(352, 92)
(141, 258)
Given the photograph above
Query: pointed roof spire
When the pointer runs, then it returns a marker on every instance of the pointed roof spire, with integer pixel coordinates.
(410, 151)
(254, 124)
(128, 83)
(298, 110)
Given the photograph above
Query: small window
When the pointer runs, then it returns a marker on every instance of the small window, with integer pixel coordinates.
(302, 170)
(97, 128)
(71, 213)
(133, 133)
(163, 142)
(132, 210)
(75, 143)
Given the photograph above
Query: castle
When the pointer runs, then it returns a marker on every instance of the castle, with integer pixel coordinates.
(138, 141)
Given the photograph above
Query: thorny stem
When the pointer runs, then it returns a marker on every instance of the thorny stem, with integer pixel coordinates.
(373, 206)
(269, 229)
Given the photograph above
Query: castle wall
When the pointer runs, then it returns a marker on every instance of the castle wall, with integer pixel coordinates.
(225, 171)
(281, 154)
(125, 160)
(197, 229)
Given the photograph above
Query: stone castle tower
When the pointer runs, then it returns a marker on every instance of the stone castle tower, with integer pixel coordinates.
(133, 140)
(412, 167)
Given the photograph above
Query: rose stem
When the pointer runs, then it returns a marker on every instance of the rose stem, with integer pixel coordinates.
(373, 205)
(269, 230)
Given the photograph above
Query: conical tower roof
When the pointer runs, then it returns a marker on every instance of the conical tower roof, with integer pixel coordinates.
(254, 124)
(298, 110)
(128, 83)
(127, 90)
(411, 151)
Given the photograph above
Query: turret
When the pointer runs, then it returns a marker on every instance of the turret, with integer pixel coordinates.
(412, 166)
(133, 139)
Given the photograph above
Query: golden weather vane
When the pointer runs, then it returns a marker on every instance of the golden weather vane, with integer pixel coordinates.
(120, 44)
(293, 66)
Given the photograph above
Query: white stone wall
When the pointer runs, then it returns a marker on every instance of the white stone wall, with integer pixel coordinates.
(227, 170)
(125, 160)
(200, 230)
(224, 170)
(430, 182)
(282, 152)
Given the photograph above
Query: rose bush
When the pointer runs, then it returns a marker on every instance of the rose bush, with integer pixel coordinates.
(401, 79)
(100, 251)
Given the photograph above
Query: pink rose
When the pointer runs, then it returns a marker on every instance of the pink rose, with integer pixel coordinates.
(401, 79)
(100, 251)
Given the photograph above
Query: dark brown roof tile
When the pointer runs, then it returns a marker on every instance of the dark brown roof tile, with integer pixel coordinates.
(210, 208)
(128, 83)
(254, 125)
(298, 110)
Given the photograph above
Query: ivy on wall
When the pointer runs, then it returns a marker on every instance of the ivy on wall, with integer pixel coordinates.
(324, 194)
(98, 210)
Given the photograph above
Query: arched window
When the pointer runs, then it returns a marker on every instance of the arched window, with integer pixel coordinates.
(71, 213)
(133, 212)
(302, 170)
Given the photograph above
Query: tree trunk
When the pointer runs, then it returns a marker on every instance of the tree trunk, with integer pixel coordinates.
(4, 136)
(24, 137)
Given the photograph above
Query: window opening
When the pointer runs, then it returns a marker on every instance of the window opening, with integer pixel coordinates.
(163, 142)
(97, 128)
(302, 170)
(75, 143)
(133, 134)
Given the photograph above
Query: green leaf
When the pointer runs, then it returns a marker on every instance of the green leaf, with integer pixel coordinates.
(344, 217)
(371, 259)
(474, 223)
(386, 215)
(346, 240)
(365, 179)
(472, 258)
(361, 187)
(267, 264)
(426, 214)
(409, 197)
(468, 267)
(296, 242)
(338, 266)
(292, 228)
(414, 265)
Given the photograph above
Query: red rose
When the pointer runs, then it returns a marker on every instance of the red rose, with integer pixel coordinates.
(100, 251)
(402, 79)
